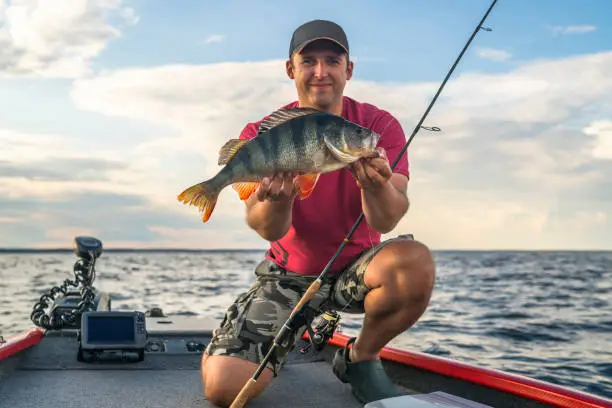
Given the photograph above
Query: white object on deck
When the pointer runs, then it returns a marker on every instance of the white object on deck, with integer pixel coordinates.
(436, 399)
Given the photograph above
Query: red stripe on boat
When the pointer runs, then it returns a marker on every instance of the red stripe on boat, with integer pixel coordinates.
(537, 390)
(20, 342)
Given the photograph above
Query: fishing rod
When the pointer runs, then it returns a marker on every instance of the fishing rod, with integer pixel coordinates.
(243, 396)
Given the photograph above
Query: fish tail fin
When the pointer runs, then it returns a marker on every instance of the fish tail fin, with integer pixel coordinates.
(201, 195)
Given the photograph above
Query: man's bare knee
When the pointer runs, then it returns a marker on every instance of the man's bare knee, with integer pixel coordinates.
(224, 377)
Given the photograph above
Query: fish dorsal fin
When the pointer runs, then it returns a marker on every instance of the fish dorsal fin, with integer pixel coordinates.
(229, 149)
(283, 115)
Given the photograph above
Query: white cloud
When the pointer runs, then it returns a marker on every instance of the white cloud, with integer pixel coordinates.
(474, 219)
(56, 38)
(493, 54)
(214, 38)
(170, 237)
(28, 168)
(515, 152)
(129, 15)
(602, 145)
(576, 29)
(62, 233)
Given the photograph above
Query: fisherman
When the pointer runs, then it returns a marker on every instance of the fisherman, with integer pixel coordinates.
(390, 282)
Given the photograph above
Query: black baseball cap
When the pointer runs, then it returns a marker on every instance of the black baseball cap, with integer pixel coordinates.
(317, 30)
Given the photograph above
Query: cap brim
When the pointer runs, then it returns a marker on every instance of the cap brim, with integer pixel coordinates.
(305, 43)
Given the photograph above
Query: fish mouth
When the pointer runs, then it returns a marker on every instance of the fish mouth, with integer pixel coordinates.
(375, 139)
(367, 149)
(364, 152)
(373, 143)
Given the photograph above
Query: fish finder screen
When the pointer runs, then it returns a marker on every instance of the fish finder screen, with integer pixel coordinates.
(110, 330)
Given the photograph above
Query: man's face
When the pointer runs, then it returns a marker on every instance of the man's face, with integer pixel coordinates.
(320, 73)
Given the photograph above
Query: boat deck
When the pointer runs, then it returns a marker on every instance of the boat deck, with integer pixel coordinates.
(49, 375)
(39, 385)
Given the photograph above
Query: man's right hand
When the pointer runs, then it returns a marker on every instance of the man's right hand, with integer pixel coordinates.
(279, 188)
(269, 209)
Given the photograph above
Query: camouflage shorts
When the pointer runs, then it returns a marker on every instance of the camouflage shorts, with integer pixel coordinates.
(256, 316)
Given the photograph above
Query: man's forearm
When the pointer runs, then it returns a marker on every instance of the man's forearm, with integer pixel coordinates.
(270, 219)
(383, 208)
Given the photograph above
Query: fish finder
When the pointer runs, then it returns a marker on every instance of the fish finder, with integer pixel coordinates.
(118, 331)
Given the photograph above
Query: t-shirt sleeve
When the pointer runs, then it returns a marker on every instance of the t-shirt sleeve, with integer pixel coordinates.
(393, 140)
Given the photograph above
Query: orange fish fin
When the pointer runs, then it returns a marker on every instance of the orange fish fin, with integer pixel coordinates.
(245, 189)
(305, 184)
(200, 196)
(229, 149)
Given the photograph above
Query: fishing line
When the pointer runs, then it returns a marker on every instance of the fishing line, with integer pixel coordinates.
(243, 396)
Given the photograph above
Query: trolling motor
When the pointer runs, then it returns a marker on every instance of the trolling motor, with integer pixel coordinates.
(322, 332)
(68, 305)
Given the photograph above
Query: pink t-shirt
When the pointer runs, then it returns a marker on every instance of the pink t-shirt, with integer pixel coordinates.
(322, 221)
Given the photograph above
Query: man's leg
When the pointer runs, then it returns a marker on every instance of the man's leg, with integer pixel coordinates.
(400, 278)
(224, 376)
(392, 283)
(246, 333)
(229, 360)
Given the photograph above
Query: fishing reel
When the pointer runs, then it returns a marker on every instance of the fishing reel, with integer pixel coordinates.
(322, 332)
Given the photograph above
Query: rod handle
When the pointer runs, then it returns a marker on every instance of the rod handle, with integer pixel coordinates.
(310, 292)
(243, 396)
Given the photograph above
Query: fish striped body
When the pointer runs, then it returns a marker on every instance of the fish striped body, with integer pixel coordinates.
(300, 140)
(296, 146)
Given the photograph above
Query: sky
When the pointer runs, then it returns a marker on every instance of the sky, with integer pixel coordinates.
(110, 108)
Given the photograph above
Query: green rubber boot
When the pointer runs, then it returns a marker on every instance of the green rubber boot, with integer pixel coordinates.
(367, 378)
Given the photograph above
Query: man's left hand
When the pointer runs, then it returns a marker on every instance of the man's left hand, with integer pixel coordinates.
(372, 173)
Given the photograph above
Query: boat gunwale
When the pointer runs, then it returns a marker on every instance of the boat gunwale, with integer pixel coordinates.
(530, 388)
(20, 342)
